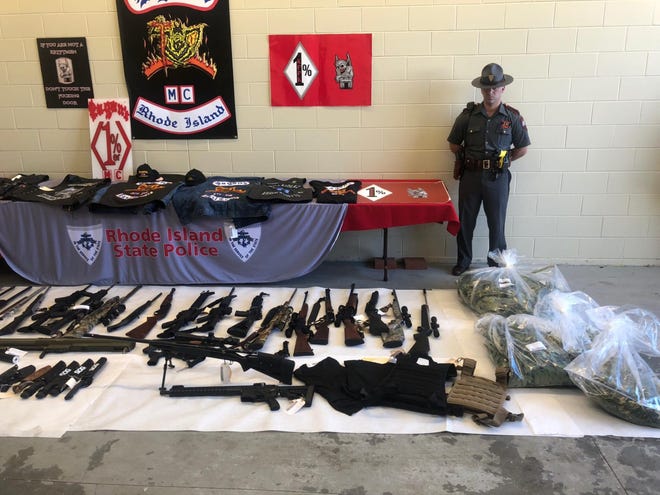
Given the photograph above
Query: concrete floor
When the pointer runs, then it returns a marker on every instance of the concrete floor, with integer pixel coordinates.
(221, 463)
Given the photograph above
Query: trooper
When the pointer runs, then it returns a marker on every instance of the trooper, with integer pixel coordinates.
(486, 137)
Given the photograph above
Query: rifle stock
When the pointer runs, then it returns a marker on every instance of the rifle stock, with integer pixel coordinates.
(346, 315)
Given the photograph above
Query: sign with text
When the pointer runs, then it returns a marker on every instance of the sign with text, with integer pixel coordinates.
(110, 141)
(65, 72)
(320, 70)
(178, 68)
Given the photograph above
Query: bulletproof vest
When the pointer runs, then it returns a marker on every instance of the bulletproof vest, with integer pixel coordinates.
(483, 397)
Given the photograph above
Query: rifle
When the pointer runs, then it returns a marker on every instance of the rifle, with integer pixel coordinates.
(48, 345)
(394, 336)
(257, 392)
(86, 378)
(29, 310)
(100, 314)
(376, 325)
(277, 319)
(13, 308)
(57, 383)
(299, 326)
(17, 388)
(14, 375)
(143, 329)
(184, 317)
(118, 308)
(4, 302)
(269, 364)
(155, 354)
(7, 290)
(30, 388)
(133, 315)
(251, 315)
(215, 314)
(346, 315)
(70, 316)
(320, 336)
(431, 326)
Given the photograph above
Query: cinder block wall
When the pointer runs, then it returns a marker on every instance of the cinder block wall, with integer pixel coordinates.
(587, 81)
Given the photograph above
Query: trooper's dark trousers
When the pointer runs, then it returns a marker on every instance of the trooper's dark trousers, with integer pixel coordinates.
(477, 187)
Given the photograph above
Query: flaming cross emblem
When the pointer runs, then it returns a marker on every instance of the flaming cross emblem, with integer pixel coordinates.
(176, 45)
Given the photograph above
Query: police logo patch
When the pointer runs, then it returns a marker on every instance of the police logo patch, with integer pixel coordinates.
(244, 241)
(86, 241)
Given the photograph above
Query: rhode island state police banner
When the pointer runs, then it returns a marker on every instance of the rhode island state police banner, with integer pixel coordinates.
(178, 68)
(320, 69)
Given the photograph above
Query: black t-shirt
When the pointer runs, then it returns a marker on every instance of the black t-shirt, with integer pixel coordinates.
(336, 192)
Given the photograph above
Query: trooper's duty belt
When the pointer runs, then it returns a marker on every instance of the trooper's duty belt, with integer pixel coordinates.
(491, 163)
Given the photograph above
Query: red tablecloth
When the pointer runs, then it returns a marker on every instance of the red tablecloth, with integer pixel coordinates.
(397, 203)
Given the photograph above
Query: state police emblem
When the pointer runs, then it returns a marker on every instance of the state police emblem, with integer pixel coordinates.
(86, 241)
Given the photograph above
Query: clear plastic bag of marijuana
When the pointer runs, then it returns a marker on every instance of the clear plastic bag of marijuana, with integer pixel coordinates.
(568, 313)
(621, 371)
(508, 288)
(527, 345)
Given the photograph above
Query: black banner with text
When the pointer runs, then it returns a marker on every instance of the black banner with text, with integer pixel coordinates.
(178, 68)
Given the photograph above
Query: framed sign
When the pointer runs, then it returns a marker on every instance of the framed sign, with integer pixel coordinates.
(65, 72)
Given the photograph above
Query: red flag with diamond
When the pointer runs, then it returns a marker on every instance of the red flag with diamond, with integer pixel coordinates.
(320, 69)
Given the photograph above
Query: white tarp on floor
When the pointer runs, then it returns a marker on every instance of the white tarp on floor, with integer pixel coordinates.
(125, 396)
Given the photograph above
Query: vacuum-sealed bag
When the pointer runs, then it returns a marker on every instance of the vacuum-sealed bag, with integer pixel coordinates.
(621, 371)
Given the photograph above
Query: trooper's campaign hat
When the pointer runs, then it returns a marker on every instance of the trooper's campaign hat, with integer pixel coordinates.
(492, 76)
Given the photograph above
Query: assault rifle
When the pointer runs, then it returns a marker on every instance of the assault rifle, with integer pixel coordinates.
(428, 326)
(257, 392)
(133, 315)
(29, 310)
(98, 315)
(219, 309)
(346, 315)
(394, 336)
(249, 316)
(269, 364)
(299, 326)
(143, 329)
(184, 317)
(320, 336)
(58, 345)
(118, 308)
(63, 312)
(277, 319)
